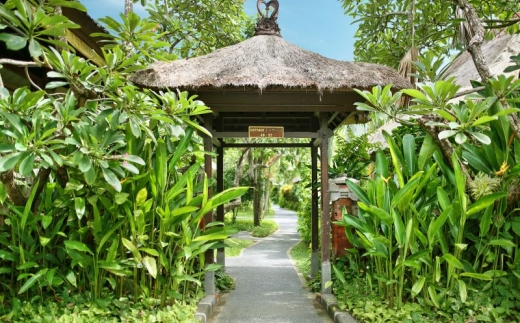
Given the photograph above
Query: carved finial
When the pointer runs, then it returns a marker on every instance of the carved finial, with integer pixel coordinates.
(267, 24)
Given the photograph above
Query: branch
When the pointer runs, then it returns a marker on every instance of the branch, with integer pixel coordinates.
(475, 43)
(503, 23)
(462, 93)
(26, 69)
(445, 145)
(18, 63)
(14, 193)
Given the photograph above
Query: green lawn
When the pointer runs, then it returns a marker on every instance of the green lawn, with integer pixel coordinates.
(236, 246)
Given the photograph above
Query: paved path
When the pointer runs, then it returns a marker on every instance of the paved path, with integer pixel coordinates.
(268, 288)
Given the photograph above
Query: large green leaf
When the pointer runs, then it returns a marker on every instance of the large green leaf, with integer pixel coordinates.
(111, 179)
(360, 193)
(132, 248)
(378, 212)
(404, 196)
(436, 224)
(399, 230)
(397, 158)
(13, 42)
(485, 221)
(452, 260)
(77, 245)
(7, 162)
(484, 202)
(409, 153)
(31, 281)
(151, 265)
(418, 286)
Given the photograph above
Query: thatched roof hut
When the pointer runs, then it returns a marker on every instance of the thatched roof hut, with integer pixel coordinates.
(264, 61)
(497, 53)
(264, 78)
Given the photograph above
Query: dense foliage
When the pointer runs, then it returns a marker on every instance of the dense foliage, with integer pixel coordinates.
(389, 28)
(435, 228)
(98, 192)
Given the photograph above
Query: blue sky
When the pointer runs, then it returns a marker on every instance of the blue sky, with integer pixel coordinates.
(316, 25)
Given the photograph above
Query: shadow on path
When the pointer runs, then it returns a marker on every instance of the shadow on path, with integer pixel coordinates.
(268, 288)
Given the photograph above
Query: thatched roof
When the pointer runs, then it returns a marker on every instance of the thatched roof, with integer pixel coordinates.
(497, 52)
(266, 61)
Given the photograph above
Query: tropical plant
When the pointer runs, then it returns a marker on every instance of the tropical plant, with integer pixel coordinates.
(413, 225)
(98, 190)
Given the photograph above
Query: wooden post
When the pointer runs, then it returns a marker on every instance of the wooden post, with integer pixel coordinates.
(221, 253)
(209, 281)
(314, 213)
(326, 274)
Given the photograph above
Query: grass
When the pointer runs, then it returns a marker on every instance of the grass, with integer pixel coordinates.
(301, 256)
(244, 222)
(236, 246)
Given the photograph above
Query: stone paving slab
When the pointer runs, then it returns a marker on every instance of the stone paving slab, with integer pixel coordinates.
(268, 287)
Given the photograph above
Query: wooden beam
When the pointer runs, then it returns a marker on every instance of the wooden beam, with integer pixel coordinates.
(288, 101)
(209, 281)
(314, 212)
(221, 253)
(266, 145)
(326, 274)
(245, 134)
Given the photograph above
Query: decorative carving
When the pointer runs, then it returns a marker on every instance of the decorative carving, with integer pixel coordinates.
(266, 24)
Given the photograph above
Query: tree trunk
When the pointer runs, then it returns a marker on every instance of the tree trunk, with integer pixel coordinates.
(475, 43)
(129, 6)
(257, 198)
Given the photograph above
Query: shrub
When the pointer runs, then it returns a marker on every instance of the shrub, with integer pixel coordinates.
(288, 199)
(266, 228)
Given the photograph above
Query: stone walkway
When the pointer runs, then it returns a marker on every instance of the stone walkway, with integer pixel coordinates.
(268, 287)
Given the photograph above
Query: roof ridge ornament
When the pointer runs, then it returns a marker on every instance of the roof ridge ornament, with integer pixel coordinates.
(267, 24)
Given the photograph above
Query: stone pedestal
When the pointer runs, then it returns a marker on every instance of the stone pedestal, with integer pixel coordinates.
(341, 198)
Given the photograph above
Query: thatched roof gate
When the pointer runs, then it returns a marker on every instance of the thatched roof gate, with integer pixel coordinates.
(267, 81)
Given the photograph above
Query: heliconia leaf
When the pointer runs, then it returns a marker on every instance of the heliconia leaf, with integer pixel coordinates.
(427, 149)
(409, 153)
(433, 296)
(502, 243)
(77, 245)
(476, 276)
(436, 225)
(484, 202)
(382, 164)
(380, 213)
(462, 290)
(339, 275)
(452, 260)
(151, 265)
(400, 234)
(418, 286)
(141, 197)
(31, 281)
(132, 248)
(360, 193)
(403, 197)
(397, 158)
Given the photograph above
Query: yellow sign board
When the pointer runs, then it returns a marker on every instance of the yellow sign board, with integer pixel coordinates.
(266, 132)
